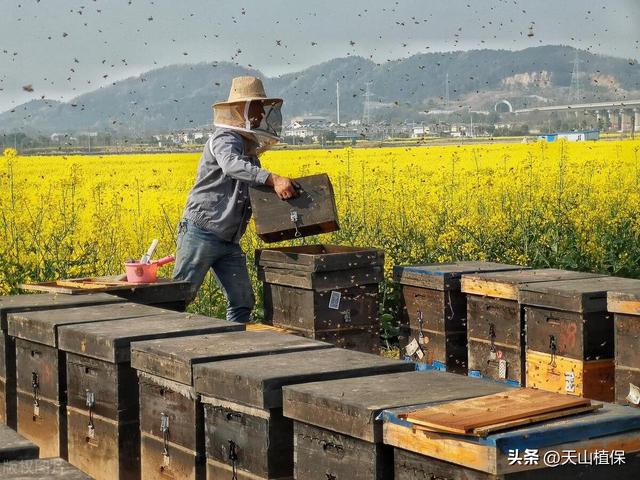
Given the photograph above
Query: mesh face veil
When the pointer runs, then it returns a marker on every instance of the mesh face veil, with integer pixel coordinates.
(260, 117)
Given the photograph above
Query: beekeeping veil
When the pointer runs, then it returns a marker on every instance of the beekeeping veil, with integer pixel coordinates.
(249, 110)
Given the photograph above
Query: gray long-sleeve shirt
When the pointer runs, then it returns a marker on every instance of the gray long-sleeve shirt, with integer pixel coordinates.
(219, 199)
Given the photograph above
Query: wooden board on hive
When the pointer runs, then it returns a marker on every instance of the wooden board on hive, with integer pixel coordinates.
(463, 416)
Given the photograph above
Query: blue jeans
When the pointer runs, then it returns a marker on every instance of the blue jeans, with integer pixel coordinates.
(198, 251)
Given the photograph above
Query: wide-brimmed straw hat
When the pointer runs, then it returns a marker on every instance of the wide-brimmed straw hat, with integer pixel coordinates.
(244, 89)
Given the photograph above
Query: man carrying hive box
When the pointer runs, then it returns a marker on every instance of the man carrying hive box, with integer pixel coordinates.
(218, 208)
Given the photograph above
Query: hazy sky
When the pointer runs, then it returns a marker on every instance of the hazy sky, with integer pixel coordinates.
(66, 47)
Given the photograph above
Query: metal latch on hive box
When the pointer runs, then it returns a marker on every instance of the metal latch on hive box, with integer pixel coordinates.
(35, 384)
(90, 403)
(164, 429)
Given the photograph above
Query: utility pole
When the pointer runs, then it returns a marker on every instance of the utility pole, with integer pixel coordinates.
(574, 89)
(446, 92)
(366, 114)
(338, 101)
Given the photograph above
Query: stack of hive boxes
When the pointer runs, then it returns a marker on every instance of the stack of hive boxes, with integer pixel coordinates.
(496, 320)
(325, 292)
(433, 326)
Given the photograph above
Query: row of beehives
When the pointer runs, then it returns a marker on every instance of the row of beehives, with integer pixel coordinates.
(125, 390)
(214, 401)
(88, 381)
(118, 388)
(547, 328)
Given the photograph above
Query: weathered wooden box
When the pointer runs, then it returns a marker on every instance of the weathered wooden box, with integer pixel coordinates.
(434, 311)
(496, 321)
(337, 429)
(164, 293)
(499, 455)
(41, 469)
(312, 212)
(625, 306)
(171, 414)
(41, 368)
(570, 335)
(14, 447)
(325, 292)
(29, 303)
(244, 425)
(102, 388)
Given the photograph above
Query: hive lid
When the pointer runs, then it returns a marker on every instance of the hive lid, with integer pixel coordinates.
(41, 469)
(174, 358)
(581, 295)
(110, 341)
(624, 301)
(445, 276)
(15, 447)
(351, 406)
(506, 285)
(42, 326)
(312, 212)
(258, 381)
(320, 258)
(48, 301)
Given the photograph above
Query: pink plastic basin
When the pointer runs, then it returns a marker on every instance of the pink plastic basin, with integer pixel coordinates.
(145, 272)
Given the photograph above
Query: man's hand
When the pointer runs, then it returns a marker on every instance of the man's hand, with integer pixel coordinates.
(284, 187)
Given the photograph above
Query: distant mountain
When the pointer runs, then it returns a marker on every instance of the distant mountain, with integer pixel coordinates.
(180, 96)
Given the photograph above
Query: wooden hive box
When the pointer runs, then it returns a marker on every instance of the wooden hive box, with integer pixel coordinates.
(171, 414)
(625, 306)
(448, 456)
(337, 429)
(496, 321)
(434, 311)
(41, 469)
(15, 447)
(244, 426)
(312, 212)
(164, 293)
(41, 368)
(102, 389)
(325, 292)
(29, 303)
(570, 335)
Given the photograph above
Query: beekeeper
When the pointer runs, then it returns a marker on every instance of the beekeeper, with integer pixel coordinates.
(218, 208)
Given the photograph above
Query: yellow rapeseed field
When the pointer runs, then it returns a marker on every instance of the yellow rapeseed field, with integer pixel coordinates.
(570, 205)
